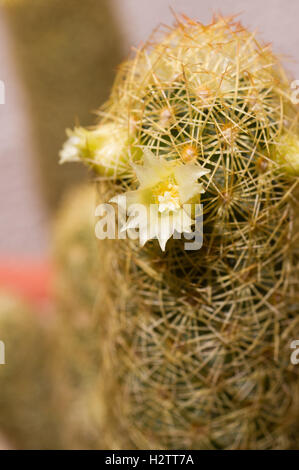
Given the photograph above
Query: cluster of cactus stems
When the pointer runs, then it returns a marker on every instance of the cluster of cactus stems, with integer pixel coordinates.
(195, 344)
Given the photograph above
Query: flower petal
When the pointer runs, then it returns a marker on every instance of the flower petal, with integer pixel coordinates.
(187, 176)
(153, 170)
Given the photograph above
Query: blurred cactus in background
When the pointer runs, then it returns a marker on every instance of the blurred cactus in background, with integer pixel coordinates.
(28, 416)
(49, 384)
(195, 344)
(77, 356)
(67, 53)
(76, 252)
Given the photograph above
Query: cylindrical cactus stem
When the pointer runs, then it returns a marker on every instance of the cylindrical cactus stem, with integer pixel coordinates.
(196, 343)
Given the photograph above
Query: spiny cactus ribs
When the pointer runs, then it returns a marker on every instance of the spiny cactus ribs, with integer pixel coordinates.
(196, 343)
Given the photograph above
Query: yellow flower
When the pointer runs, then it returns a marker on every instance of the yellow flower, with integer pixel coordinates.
(165, 189)
(106, 149)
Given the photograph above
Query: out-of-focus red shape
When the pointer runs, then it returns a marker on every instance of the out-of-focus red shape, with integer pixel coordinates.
(30, 279)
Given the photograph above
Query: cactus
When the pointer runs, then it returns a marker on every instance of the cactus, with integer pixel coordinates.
(195, 344)
(28, 400)
(77, 354)
(48, 386)
(75, 253)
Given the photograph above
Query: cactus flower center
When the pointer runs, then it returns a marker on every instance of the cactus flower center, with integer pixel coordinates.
(169, 201)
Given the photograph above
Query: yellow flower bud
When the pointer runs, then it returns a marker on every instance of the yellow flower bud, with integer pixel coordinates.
(107, 149)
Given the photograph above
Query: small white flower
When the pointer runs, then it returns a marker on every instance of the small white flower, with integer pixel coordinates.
(165, 186)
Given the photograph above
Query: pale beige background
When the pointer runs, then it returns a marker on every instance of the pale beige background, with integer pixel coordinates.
(23, 222)
(276, 20)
